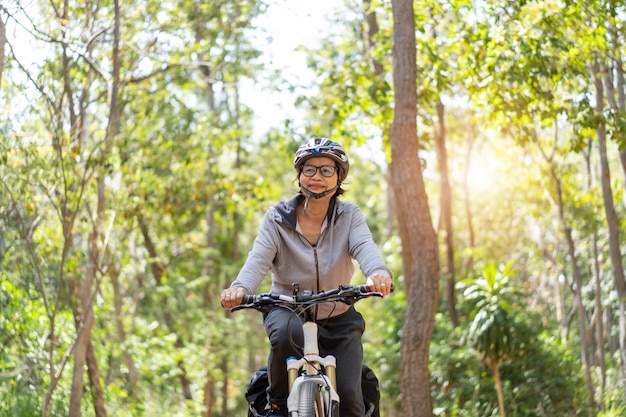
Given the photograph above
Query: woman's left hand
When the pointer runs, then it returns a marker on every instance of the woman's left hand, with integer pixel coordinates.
(380, 283)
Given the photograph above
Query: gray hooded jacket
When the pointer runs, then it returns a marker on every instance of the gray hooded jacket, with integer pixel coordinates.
(279, 247)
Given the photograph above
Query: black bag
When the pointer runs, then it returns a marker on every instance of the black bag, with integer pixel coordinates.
(371, 392)
(256, 392)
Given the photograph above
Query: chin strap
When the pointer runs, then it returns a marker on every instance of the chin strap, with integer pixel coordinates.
(310, 194)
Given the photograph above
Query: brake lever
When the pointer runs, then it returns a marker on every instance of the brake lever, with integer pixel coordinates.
(240, 307)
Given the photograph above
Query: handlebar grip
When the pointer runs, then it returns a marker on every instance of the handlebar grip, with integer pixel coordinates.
(364, 288)
(248, 299)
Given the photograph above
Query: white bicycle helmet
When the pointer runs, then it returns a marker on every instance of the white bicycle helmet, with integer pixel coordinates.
(319, 146)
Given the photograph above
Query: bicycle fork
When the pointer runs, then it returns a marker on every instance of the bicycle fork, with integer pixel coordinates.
(310, 360)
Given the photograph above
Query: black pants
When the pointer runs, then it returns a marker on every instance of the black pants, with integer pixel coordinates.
(339, 336)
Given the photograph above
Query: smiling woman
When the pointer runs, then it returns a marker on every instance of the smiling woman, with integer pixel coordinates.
(317, 239)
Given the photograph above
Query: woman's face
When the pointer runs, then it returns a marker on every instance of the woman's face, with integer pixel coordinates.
(319, 181)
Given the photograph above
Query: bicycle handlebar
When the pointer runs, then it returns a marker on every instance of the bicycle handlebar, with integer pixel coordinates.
(347, 294)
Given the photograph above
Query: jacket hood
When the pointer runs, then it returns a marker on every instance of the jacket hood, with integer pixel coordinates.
(288, 210)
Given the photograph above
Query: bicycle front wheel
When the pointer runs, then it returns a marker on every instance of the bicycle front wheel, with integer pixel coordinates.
(308, 404)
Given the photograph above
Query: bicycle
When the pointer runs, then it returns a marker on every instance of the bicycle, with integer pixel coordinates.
(312, 378)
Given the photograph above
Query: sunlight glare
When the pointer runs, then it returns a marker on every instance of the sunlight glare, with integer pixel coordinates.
(487, 172)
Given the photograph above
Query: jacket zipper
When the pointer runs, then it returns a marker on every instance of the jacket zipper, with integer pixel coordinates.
(317, 275)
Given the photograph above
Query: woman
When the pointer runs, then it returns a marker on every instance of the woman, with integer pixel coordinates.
(311, 240)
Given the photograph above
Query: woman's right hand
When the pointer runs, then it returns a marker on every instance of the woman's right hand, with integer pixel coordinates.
(232, 297)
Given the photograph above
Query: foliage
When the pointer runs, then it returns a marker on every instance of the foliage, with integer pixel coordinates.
(490, 331)
(562, 394)
(462, 385)
(187, 182)
(382, 343)
(21, 334)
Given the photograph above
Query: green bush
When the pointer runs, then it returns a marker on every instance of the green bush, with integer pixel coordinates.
(542, 378)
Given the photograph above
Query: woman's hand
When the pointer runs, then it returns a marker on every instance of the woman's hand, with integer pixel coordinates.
(380, 283)
(232, 297)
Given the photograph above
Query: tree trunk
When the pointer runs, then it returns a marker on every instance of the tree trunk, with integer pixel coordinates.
(599, 312)
(370, 39)
(133, 374)
(498, 383)
(3, 41)
(94, 380)
(377, 69)
(578, 300)
(419, 240)
(468, 263)
(225, 371)
(209, 389)
(585, 351)
(599, 326)
(89, 286)
(612, 222)
(559, 305)
(618, 104)
(86, 319)
(445, 202)
(84, 324)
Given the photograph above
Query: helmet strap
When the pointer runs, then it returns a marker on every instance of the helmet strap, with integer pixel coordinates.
(311, 194)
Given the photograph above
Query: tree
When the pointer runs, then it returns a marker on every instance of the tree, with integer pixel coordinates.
(612, 221)
(491, 330)
(559, 197)
(150, 229)
(3, 41)
(420, 253)
(106, 200)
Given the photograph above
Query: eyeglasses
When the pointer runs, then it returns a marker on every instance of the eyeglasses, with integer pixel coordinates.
(326, 170)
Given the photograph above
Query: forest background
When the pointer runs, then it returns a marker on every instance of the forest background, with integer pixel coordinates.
(133, 182)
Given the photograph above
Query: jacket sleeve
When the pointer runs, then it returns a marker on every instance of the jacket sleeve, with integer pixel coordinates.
(364, 249)
(260, 258)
